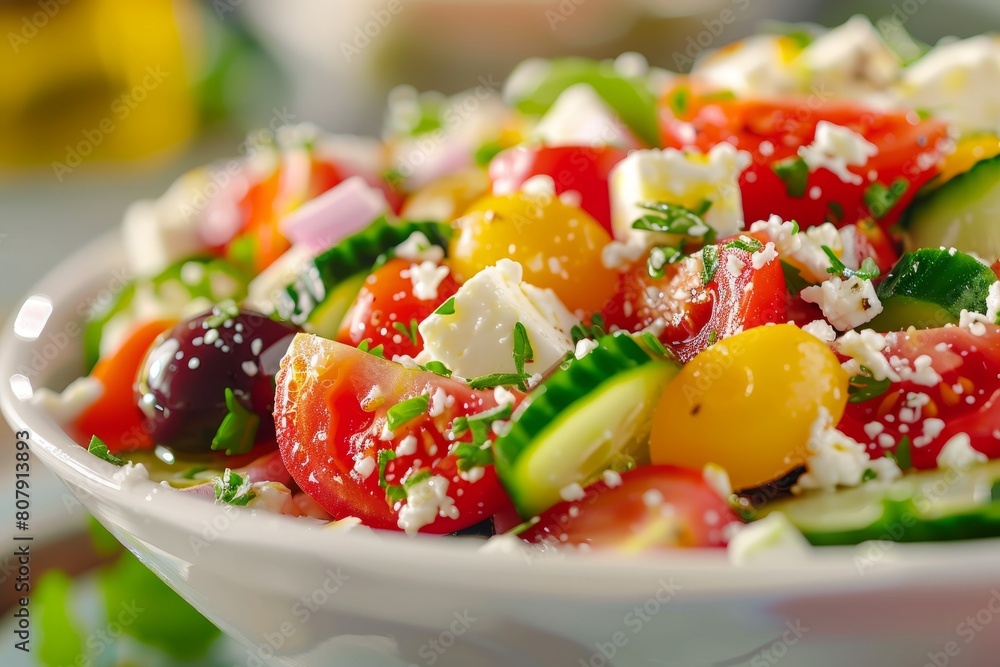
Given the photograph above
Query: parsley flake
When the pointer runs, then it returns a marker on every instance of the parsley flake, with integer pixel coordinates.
(408, 331)
(868, 475)
(238, 430)
(100, 450)
(232, 489)
(221, 314)
(446, 308)
(522, 348)
(406, 410)
(746, 243)
(659, 257)
(595, 330)
(376, 351)
(437, 368)
(795, 173)
(676, 219)
(864, 387)
(498, 380)
(710, 263)
(880, 199)
(868, 271)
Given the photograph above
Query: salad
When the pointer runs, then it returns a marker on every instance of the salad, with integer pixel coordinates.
(608, 306)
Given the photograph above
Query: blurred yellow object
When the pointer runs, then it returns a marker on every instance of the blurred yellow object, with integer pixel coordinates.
(968, 151)
(99, 80)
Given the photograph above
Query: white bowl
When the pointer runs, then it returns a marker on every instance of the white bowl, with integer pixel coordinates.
(296, 593)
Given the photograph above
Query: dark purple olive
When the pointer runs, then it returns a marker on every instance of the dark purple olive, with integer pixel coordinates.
(181, 386)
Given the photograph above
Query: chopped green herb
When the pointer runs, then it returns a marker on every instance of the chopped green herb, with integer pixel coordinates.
(100, 450)
(446, 308)
(868, 475)
(654, 344)
(498, 380)
(408, 331)
(522, 348)
(902, 453)
(416, 478)
(437, 368)
(713, 336)
(406, 410)
(793, 278)
(795, 174)
(384, 456)
(596, 329)
(880, 199)
(864, 387)
(395, 493)
(238, 430)
(868, 270)
(477, 453)
(795, 226)
(710, 263)
(659, 257)
(377, 351)
(676, 219)
(232, 489)
(221, 313)
(678, 100)
(485, 153)
(836, 211)
(747, 243)
(469, 456)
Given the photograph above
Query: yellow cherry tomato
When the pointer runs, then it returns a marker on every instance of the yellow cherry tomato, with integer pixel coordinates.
(558, 245)
(968, 151)
(747, 404)
(447, 197)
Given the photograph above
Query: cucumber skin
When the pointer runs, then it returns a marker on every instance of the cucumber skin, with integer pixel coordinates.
(948, 283)
(612, 356)
(352, 255)
(931, 219)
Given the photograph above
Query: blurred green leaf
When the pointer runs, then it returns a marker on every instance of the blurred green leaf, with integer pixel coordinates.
(60, 641)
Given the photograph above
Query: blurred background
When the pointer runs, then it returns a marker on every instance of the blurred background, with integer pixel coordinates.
(106, 101)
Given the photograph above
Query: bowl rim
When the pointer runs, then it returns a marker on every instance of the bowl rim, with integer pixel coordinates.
(823, 570)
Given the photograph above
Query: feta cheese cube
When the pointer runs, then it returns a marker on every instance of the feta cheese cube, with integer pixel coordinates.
(579, 117)
(478, 338)
(845, 303)
(836, 148)
(958, 454)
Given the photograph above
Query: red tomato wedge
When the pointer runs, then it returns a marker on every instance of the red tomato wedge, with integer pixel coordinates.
(959, 393)
(583, 169)
(386, 311)
(695, 314)
(331, 408)
(909, 150)
(651, 507)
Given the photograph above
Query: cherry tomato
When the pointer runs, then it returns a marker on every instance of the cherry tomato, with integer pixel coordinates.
(650, 507)
(386, 311)
(695, 314)
(558, 245)
(909, 151)
(583, 169)
(115, 417)
(963, 396)
(331, 408)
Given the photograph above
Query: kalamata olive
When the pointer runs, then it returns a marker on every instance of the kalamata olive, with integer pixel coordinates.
(181, 386)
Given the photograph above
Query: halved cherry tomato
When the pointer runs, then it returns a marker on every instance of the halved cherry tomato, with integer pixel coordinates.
(909, 151)
(965, 400)
(331, 407)
(652, 507)
(583, 169)
(386, 311)
(695, 314)
(115, 417)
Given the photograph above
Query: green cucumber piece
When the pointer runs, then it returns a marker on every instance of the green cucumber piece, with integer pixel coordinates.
(960, 214)
(353, 255)
(930, 287)
(212, 278)
(325, 319)
(629, 97)
(579, 421)
(922, 506)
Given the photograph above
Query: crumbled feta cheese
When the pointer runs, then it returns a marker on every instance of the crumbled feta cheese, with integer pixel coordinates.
(503, 396)
(822, 330)
(621, 255)
(365, 466)
(425, 501)
(734, 265)
(580, 117)
(845, 303)
(850, 60)
(478, 338)
(836, 459)
(763, 257)
(873, 429)
(757, 65)
(572, 492)
(787, 240)
(921, 373)
(932, 429)
(437, 402)
(679, 177)
(958, 454)
(835, 148)
(418, 248)
(407, 446)
(426, 278)
(866, 348)
(539, 186)
(584, 347)
(611, 479)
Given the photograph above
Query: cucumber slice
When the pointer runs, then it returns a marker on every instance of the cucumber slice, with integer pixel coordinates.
(325, 318)
(930, 287)
(353, 255)
(960, 214)
(919, 507)
(208, 278)
(579, 421)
